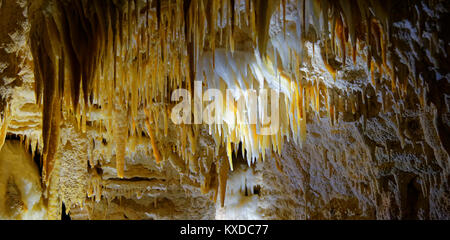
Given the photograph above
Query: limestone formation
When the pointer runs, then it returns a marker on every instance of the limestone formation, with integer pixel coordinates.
(87, 107)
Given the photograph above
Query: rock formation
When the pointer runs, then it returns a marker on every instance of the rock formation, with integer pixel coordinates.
(93, 95)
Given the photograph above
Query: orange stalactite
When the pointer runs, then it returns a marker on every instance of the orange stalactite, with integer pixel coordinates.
(342, 36)
(156, 153)
(224, 168)
(4, 128)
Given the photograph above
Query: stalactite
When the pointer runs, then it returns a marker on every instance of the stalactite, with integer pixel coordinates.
(53, 142)
(6, 119)
(156, 153)
(101, 53)
(223, 178)
(264, 10)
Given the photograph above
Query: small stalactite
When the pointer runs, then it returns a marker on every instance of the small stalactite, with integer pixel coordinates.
(151, 134)
(6, 119)
(223, 171)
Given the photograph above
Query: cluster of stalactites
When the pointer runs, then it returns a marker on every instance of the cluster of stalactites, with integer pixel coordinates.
(130, 55)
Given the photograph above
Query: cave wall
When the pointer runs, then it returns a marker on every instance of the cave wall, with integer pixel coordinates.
(387, 159)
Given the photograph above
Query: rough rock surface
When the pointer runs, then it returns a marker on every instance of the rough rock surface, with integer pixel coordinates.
(388, 159)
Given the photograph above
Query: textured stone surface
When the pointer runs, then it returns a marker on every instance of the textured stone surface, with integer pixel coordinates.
(386, 159)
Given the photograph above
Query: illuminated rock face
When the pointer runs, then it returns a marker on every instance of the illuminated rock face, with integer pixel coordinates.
(20, 186)
(363, 109)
